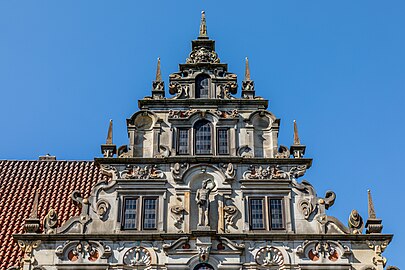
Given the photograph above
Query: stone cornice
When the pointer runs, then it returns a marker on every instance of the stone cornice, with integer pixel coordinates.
(174, 103)
(207, 159)
(171, 236)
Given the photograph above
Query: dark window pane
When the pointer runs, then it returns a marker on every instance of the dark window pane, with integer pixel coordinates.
(276, 211)
(130, 214)
(202, 86)
(203, 138)
(149, 214)
(183, 141)
(223, 148)
(256, 214)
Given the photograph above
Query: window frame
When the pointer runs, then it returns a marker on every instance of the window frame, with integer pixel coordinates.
(156, 199)
(125, 199)
(197, 88)
(282, 213)
(178, 141)
(211, 140)
(266, 212)
(227, 141)
(140, 212)
(263, 214)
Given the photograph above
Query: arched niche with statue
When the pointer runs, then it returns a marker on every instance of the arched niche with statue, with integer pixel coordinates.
(203, 190)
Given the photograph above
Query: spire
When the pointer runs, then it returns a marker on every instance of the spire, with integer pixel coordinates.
(373, 224)
(203, 27)
(296, 137)
(247, 70)
(371, 211)
(158, 72)
(110, 133)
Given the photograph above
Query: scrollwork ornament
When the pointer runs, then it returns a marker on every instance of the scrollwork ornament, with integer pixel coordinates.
(109, 170)
(102, 208)
(270, 256)
(230, 212)
(180, 91)
(306, 208)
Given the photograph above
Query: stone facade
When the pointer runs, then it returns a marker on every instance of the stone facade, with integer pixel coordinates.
(204, 184)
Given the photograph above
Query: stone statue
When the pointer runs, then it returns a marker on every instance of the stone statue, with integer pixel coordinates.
(203, 202)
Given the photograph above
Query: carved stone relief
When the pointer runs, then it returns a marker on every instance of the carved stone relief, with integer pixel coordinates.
(186, 114)
(378, 247)
(137, 256)
(273, 172)
(83, 251)
(202, 55)
(50, 222)
(109, 171)
(283, 152)
(177, 213)
(322, 251)
(245, 151)
(356, 223)
(178, 171)
(146, 172)
(180, 91)
(230, 212)
(229, 171)
(270, 256)
(102, 209)
(225, 90)
(28, 249)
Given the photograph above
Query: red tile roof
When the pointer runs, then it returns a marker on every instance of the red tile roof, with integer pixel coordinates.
(55, 182)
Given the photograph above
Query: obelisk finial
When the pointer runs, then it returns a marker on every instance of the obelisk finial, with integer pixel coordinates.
(247, 70)
(110, 133)
(34, 211)
(371, 211)
(203, 26)
(296, 137)
(158, 72)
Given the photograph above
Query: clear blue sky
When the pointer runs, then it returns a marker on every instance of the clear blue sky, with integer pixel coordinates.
(338, 67)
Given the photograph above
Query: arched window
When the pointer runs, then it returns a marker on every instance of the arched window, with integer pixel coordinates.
(202, 83)
(203, 138)
(203, 266)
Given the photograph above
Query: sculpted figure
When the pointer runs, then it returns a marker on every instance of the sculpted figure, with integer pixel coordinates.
(203, 202)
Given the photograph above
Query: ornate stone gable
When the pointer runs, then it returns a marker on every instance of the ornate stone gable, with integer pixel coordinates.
(203, 183)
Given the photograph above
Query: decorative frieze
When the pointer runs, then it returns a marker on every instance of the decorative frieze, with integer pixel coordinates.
(173, 114)
(323, 251)
(256, 172)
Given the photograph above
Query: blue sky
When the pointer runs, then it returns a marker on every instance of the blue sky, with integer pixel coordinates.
(337, 67)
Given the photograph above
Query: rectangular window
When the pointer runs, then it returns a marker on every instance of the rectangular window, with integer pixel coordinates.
(183, 142)
(223, 144)
(130, 207)
(149, 213)
(256, 214)
(276, 214)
